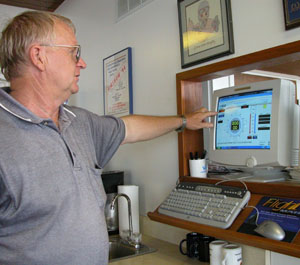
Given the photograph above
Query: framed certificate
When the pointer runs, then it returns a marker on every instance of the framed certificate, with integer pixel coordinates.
(117, 83)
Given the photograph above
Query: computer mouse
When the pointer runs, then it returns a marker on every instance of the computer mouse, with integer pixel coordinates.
(270, 229)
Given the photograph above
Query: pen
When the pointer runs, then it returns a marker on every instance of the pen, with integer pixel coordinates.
(191, 156)
(196, 155)
(203, 154)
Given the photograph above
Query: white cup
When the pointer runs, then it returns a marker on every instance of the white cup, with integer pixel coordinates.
(198, 168)
(215, 251)
(231, 255)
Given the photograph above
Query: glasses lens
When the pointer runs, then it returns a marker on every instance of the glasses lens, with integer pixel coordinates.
(78, 54)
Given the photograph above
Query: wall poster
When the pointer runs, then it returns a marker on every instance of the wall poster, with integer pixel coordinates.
(117, 83)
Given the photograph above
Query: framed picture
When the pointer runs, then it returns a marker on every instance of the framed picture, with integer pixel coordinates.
(117, 83)
(205, 30)
(291, 13)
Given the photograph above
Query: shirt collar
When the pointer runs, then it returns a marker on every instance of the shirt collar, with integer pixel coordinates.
(9, 104)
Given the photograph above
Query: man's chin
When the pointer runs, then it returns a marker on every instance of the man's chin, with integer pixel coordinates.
(74, 89)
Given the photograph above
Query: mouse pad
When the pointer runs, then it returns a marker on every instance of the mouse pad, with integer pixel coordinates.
(284, 211)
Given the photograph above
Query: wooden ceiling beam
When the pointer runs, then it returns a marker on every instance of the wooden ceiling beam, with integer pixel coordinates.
(42, 5)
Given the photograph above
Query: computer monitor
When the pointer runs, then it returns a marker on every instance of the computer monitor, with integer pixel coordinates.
(253, 129)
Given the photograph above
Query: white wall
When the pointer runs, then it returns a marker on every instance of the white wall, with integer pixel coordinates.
(280, 259)
(6, 13)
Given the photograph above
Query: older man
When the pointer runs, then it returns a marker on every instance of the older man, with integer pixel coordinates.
(51, 194)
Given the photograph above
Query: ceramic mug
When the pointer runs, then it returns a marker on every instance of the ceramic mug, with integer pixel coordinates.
(192, 245)
(198, 168)
(204, 247)
(231, 254)
(215, 251)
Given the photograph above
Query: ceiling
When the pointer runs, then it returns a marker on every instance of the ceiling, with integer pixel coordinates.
(44, 5)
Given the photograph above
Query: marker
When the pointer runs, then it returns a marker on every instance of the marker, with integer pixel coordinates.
(203, 154)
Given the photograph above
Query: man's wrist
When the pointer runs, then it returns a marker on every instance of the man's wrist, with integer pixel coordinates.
(183, 125)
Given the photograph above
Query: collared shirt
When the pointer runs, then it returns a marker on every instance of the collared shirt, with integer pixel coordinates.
(51, 193)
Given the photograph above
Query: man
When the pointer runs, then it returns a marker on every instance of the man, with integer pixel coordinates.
(51, 195)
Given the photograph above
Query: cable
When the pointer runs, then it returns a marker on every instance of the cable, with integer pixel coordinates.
(226, 180)
(257, 216)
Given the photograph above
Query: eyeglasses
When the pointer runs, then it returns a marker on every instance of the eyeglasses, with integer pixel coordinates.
(78, 51)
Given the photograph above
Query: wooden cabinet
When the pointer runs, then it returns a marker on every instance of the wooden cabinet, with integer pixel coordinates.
(284, 59)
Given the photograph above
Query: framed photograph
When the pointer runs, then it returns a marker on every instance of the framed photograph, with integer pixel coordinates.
(291, 13)
(117, 83)
(205, 30)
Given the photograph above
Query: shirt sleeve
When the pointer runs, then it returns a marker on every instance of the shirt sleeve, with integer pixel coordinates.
(108, 133)
(104, 133)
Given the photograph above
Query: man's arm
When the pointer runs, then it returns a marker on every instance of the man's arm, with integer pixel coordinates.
(141, 128)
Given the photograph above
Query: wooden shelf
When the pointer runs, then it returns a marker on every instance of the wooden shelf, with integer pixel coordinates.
(283, 59)
(281, 189)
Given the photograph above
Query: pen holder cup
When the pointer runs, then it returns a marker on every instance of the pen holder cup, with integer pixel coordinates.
(198, 168)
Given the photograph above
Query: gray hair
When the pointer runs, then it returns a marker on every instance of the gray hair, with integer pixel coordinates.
(20, 33)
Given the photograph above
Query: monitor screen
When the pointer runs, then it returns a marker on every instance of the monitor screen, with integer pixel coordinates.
(244, 121)
(254, 124)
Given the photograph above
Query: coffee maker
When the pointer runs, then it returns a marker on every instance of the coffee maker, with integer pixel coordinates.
(111, 180)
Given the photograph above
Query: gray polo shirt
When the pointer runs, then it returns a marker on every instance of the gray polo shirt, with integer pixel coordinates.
(51, 194)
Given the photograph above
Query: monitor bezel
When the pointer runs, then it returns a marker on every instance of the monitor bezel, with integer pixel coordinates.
(280, 139)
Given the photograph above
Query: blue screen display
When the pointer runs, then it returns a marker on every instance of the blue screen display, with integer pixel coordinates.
(244, 120)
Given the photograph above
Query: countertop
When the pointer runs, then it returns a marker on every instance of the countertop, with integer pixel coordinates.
(166, 254)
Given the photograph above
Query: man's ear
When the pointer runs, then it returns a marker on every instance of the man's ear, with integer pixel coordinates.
(37, 57)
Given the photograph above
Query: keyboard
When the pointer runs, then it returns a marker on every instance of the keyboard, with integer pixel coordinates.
(207, 204)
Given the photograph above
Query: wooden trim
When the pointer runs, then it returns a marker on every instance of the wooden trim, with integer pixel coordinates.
(282, 54)
(43, 5)
(188, 100)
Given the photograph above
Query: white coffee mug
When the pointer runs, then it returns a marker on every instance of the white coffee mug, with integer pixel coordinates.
(215, 251)
(198, 168)
(231, 255)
